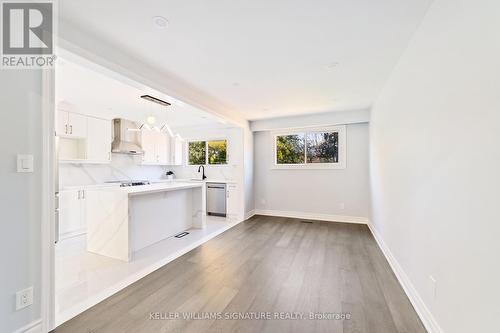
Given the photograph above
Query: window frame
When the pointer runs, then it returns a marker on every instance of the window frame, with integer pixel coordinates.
(342, 156)
(206, 152)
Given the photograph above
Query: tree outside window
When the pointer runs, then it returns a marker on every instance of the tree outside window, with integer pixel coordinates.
(217, 151)
(196, 152)
(314, 147)
(323, 147)
(212, 152)
(290, 149)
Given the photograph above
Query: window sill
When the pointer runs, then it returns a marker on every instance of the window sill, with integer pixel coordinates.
(336, 166)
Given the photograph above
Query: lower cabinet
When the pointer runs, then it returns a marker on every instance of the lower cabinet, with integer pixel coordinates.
(71, 213)
(232, 200)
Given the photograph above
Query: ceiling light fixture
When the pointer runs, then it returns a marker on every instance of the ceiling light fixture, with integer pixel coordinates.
(160, 22)
(151, 120)
(155, 100)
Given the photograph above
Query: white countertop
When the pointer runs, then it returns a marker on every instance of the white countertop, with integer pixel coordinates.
(208, 180)
(158, 187)
(153, 182)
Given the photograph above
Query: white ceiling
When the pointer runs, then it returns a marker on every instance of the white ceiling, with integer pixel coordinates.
(262, 58)
(91, 91)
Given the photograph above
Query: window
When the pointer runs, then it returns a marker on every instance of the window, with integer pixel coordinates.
(197, 152)
(213, 152)
(217, 151)
(290, 149)
(319, 148)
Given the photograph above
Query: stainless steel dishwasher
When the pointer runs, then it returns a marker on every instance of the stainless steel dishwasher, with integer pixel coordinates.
(216, 199)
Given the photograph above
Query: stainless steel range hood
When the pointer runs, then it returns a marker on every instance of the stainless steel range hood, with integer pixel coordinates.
(126, 137)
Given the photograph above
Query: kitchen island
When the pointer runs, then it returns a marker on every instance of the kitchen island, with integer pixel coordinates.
(123, 220)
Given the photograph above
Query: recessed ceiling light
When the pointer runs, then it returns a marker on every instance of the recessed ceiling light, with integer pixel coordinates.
(235, 84)
(160, 22)
(331, 66)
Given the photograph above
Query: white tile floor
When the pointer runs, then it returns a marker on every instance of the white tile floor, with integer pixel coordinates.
(83, 279)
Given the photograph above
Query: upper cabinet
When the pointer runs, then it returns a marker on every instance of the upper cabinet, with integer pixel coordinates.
(98, 140)
(176, 150)
(83, 139)
(156, 146)
(71, 124)
(160, 148)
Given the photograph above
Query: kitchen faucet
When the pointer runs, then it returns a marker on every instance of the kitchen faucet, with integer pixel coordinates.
(203, 177)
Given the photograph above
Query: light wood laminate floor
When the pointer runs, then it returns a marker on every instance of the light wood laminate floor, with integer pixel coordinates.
(264, 267)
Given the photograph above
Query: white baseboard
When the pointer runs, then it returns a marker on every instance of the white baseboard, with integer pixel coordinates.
(423, 312)
(313, 216)
(33, 327)
(249, 214)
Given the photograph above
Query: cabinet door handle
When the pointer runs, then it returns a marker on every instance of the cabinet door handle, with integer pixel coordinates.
(83, 194)
(79, 194)
(70, 129)
(66, 129)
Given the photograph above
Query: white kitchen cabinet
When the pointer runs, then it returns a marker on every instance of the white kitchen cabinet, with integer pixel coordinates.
(162, 148)
(98, 140)
(149, 147)
(62, 123)
(156, 146)
(176, 151)
(71, 213)
(232, 200)
(71, 124)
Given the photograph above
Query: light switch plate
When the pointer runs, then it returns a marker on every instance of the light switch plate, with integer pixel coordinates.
(24, 163)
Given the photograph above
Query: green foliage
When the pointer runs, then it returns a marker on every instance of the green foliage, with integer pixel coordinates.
(217, 151)
(290, 149)
(196, 152)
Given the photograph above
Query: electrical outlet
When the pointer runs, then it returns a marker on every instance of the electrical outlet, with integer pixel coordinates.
(341, 205)
(262, 201)
(24, 298)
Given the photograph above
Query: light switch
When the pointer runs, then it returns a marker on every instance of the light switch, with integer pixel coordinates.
(24, 163)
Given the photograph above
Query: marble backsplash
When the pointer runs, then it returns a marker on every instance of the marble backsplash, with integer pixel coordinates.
(122, 167)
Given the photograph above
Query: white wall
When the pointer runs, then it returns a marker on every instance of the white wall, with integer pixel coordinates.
(20, 195)
(314, 119)
(435, 161)
(248, 166)
(315, 191)
(233, 171)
